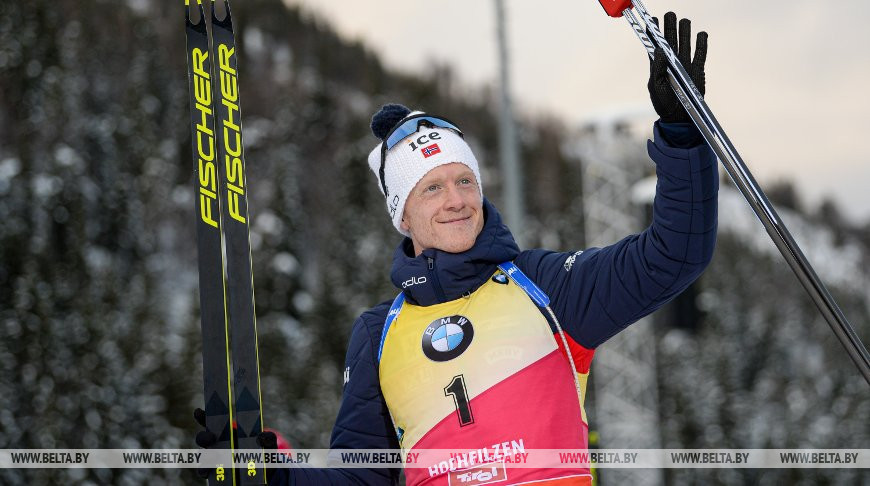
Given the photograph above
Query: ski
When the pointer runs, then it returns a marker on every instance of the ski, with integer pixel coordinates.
(231, 387)
(248, 413)
(212, 285)
(692, 100)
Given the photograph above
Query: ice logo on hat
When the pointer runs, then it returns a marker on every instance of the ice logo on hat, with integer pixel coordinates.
(447, 337)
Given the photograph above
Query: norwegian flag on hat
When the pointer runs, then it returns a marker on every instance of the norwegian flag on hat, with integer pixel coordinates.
(430, 150)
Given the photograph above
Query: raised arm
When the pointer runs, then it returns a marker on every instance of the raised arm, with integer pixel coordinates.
(602, 290)
(598, 292)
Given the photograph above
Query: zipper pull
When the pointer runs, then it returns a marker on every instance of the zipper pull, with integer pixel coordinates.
(431, 263)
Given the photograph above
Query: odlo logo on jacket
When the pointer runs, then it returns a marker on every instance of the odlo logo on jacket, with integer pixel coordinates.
(413, 281)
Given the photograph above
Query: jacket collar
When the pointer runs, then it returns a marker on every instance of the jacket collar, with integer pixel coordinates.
(437, 276)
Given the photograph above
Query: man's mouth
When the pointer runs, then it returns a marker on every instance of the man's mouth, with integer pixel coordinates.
(456, 220)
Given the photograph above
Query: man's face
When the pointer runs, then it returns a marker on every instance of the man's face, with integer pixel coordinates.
(444, 210)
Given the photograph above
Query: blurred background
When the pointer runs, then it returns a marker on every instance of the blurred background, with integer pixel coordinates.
(99, 319)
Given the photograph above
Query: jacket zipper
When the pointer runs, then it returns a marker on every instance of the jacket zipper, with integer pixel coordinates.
(436, 284)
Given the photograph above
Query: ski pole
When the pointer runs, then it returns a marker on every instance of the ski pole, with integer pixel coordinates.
(692, 100)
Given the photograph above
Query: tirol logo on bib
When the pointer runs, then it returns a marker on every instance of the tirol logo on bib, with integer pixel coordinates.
(447, 337)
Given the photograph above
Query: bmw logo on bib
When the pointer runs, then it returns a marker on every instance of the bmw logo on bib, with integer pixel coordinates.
(447, 338)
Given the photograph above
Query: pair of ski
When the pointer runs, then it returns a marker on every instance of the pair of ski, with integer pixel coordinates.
(231, 378)
(652, 38)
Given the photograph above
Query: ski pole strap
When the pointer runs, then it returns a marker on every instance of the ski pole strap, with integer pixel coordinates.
(391, 316)
(534, 292)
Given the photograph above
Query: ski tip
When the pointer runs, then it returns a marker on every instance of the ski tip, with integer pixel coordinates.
(221, 16)
(190, 18)
(614, 8)
(187, 4)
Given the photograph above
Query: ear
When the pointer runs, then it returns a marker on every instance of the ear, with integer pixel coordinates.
(404, 225)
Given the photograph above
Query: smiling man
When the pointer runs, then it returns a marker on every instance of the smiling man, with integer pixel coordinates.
(483, 357)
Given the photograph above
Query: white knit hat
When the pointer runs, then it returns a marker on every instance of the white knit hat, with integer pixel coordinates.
(412, 158)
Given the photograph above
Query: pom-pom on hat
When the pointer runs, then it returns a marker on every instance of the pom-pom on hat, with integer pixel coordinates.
(426, 146)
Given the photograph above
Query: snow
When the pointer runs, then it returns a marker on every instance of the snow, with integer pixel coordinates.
(285, 263)
(836, 265)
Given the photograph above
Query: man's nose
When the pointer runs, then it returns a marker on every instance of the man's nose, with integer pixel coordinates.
(453, 199)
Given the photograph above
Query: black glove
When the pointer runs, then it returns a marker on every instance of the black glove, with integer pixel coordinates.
(664, 100)
(205, 439)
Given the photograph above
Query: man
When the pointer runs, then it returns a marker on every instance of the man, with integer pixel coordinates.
(472, 357)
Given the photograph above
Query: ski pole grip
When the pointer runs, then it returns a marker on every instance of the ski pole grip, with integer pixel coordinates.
(614, 8)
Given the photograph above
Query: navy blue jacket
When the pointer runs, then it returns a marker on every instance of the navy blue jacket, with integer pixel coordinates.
(599, 294)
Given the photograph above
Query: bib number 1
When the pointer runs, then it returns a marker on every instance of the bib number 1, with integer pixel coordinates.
(457, 389)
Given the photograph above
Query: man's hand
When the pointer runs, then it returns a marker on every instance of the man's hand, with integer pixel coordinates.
(204, 439)
(664, 100)
(267, 439)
